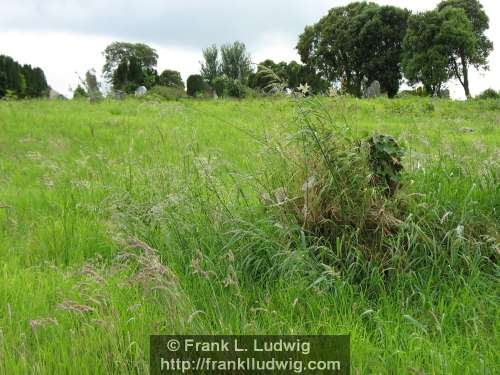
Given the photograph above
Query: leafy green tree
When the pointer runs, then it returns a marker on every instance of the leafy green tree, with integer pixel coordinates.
(299, 74)
(489, 94)
(3, 84)
(34, 82)
(211, 66)
(22, 81)
(236, 62)
(195, 84)
(380, 34)
(425, 57)
(219, 84)
(356, 43)
(171, 78)
(261, 79)
(12, 75)
(120, 76)
(129, 64)
(39, 84)
(465, 37)
(292, 75)
(79, 92)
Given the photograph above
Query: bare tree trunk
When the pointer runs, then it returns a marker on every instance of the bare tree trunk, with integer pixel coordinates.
(465, 83)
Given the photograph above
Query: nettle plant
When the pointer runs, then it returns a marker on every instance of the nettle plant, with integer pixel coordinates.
(385, 160)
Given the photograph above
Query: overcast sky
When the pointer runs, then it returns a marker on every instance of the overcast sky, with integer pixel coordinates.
(66, 37)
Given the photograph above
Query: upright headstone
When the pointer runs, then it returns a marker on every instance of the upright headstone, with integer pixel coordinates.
(118, 94)
(373, 90)
(92, 86)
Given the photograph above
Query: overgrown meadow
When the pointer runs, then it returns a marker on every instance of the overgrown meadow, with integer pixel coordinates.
(122, 219)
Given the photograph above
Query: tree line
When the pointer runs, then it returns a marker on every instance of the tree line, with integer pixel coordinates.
(362, 42)
(21, 81)
(350, 47)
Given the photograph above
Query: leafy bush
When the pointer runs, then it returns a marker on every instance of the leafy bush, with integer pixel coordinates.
(171, 78)
(385, 160)
(489, 94)
(80, 93)
(219, 85)
(130, 88)
(195, 85)
(235, 88)
(169, 93)
(225, 86)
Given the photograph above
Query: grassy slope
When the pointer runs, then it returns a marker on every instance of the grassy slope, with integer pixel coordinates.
(80, 180)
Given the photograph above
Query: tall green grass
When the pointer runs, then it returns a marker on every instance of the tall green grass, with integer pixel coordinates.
(124, 219)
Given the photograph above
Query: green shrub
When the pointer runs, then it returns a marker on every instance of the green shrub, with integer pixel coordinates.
(219, 85)
(195, 85)
(80, 93)
(385, 160)
(168, 93)
(130, 88)
(235, 89)
(171, 78)
(489, 94)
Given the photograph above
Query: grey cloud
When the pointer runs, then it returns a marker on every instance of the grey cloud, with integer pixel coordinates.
(188, 23)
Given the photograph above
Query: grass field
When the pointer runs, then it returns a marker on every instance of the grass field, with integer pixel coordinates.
(123, 219)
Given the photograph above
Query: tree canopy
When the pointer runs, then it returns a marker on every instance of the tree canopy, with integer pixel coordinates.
(292, 74)
(425, 57)
(465, 26)
(171, 78)
(23, 81)
(235, 61)
(129, 65)
(356, 44)
(211, 66)
(445, 42)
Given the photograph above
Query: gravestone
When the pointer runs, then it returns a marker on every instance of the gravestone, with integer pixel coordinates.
(141, 91)
(373, 90)
(118, 94)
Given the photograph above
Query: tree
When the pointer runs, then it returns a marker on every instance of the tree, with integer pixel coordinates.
(12, 76)
(38, 83)
(22, 81)
(464, 34)
(129, 64)
(291, 74)
(79, 92)
(489, 94)
(210, 67)
(34, 82)
(425, 58)
(261, 80)
(195, 84)
(357, 43)
(3, 84)
(236, 62)
(171, 78)
(380, 33)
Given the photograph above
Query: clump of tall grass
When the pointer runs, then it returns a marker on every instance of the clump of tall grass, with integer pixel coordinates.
(334, 206)
(327, 197)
